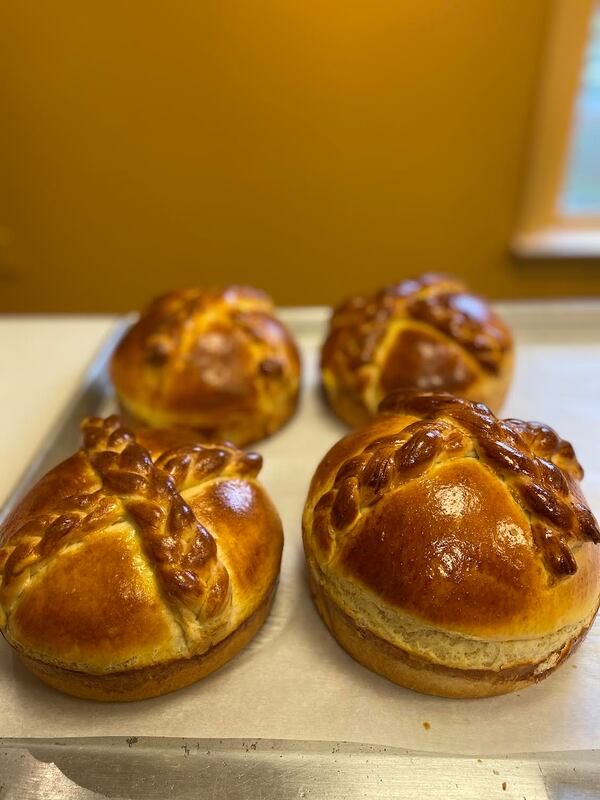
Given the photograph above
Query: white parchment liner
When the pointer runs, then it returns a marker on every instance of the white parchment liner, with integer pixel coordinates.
(294, 681)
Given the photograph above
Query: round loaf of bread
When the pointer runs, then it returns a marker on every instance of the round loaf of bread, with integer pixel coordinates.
(216, 361)
(428, 334)
(450, 551)
(138, 565)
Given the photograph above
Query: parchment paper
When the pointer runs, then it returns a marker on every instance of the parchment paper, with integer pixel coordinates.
(294, 682)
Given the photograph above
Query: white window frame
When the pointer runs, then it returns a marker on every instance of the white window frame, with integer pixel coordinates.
(543, 230)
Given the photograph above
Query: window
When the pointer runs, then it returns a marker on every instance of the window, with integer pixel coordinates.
(561, 208)
(581, 192)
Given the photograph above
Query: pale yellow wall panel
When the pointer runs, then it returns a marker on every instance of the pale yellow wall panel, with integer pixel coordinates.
(311, 148)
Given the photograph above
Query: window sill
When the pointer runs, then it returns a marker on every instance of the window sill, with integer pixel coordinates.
(558, 243)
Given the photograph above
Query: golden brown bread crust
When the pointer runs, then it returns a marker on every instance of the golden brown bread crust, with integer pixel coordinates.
(456, 537)
(154, 680)
(428, 334)
(126, 559)
(216, 361)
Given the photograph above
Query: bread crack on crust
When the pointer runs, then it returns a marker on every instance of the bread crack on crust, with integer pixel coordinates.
(423, 334)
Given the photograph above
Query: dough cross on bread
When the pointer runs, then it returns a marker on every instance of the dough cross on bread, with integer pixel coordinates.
(122, 484)
(538, 467)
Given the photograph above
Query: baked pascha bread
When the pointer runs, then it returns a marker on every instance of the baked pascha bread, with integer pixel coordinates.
(138, 565)
(216, 361)
(451, 551)
(428, 334)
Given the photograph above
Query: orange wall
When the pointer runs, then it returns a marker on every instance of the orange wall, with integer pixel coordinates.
(311, 148)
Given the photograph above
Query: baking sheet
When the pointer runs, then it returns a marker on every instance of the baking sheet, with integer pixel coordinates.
(294, 681)
(238, 769)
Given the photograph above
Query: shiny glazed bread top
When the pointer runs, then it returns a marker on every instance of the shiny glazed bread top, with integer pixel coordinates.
(216, 360)
(429, 333)
(465, 521)
(106, 564)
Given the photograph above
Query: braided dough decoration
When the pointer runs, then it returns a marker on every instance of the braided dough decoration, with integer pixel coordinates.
(440, 538)
(105, 566)
(424, 334)
(217, 361)
(538, 466)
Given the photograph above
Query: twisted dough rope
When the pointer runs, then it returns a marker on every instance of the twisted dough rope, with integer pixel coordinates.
(180, 550)
(539, 468)
(432, 298)
(358, 331)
